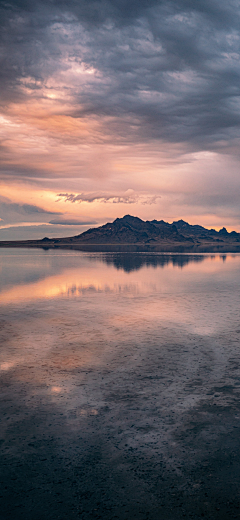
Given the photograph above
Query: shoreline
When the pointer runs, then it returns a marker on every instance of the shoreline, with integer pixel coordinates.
(163, 247)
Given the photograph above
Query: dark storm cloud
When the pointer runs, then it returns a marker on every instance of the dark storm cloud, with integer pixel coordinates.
(164, 70)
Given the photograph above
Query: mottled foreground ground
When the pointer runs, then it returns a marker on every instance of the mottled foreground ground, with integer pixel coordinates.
(112, 409)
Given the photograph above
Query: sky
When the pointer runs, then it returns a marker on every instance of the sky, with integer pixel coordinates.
(114, 107)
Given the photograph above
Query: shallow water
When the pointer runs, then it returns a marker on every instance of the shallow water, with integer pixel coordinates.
(120, 383)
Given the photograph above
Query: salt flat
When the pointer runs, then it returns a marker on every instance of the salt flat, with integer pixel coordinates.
(119, 385)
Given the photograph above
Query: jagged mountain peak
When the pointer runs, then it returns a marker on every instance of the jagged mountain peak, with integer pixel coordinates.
(130, 229)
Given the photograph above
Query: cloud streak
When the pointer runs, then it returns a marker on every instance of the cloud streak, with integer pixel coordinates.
(61, 222)
(128, 198)
(15, 212)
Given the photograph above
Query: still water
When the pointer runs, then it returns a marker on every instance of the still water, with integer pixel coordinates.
(120, 380)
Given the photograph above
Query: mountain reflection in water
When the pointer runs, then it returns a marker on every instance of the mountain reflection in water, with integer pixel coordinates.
(27, 275)
(133, 262)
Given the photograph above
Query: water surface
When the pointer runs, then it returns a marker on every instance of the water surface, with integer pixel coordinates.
(119, 384)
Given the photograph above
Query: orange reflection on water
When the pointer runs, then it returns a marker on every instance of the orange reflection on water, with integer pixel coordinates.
(56, 389)
(7, 365)
(100, 277)
(69, 283)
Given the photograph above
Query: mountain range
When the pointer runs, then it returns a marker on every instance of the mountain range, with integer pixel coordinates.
(133, 230)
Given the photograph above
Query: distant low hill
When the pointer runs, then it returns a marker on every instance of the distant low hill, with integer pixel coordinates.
(133, 230)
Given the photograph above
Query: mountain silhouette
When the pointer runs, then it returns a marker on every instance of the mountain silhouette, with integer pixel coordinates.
(133, 230)
(130, 230)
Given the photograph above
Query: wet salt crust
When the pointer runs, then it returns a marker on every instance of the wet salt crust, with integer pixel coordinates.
(119, 386)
